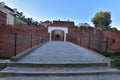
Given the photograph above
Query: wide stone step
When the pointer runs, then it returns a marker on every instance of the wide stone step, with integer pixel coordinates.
(57, 71)
(57, 64)
(88, 77)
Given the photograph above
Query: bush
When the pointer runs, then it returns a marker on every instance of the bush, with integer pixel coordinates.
(114, 56)
(4, 58)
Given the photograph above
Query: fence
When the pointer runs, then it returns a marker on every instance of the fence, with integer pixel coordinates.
(24, 41)
(97, 43)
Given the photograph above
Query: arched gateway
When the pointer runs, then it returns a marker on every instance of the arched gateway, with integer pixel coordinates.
(58, 32)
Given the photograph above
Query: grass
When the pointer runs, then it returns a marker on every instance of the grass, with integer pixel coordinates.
(4, 58)
(114, 56)
(117, 60)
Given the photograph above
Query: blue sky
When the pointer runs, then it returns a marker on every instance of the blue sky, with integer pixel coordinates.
(79, 11)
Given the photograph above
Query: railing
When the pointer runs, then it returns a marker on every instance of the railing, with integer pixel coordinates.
(97, 43)
(24, 41)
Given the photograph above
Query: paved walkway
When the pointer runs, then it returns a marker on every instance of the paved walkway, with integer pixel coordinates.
(61, 52)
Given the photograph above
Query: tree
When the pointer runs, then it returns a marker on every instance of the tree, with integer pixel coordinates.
(20, 23)
(35, 23)
(29, 21)
(102, 19)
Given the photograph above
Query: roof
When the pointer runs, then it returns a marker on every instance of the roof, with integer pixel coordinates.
(9, 8)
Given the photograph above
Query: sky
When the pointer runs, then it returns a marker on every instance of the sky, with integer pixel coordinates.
(79, 11)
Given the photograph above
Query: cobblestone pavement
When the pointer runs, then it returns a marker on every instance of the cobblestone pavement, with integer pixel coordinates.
(61, 52)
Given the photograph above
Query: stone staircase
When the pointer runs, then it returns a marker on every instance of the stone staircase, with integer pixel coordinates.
(59, 71)
(71, 63)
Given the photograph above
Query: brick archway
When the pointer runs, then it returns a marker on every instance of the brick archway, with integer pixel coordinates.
(57, 35)
(53, 28)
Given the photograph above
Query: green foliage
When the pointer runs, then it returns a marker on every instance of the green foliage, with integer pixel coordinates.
(35, 23)
(29, 21)
(19, 23)
(4, 58)
(117, 59)
(102, 19)
(114, 56)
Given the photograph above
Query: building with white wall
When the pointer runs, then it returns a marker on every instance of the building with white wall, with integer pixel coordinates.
(12, 15)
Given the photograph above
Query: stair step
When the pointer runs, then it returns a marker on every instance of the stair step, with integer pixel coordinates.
(94, 77)
(57, 65)
(56, 71)
(85, 77)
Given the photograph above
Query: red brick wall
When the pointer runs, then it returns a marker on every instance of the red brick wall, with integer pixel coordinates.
(63, 23)
(7, 38)
(2, 18)
(84, 36)
(98, 39)
(113, 40)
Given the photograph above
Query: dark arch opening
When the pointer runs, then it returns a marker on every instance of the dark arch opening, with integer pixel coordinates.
(57, 35)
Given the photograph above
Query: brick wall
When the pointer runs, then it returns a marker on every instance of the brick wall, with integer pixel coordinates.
(113, 40)
(99, 39)
(63, 24)
(2, 18)
(7, 38)
(94, 38)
